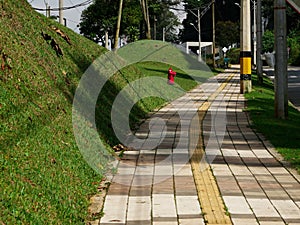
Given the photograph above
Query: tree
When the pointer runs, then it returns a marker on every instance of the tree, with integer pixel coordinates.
(227, 33)
(145, 10)
(138, 18)
(268, 41)
(98, 18)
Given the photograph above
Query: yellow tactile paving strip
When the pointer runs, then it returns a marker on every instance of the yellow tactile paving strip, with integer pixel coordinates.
(212, 205)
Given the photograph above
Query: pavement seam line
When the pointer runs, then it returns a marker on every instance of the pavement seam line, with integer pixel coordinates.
(213, 207)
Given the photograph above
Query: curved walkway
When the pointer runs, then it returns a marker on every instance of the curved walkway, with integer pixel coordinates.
(238, 181)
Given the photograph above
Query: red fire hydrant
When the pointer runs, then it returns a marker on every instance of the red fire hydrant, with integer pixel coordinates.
(171, 75)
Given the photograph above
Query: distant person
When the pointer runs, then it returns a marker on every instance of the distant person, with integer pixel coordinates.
(226, 61)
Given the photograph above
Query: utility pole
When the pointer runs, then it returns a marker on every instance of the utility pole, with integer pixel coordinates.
(47, 10)
(254, 33)
(214, 33)
(154, 28)
(61, 5)
(259, 69)
(245, 54)
(281, 79)
(118, 25)
(199, 34)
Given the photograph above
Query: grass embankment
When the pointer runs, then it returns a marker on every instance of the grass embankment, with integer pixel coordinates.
(283, 134)
(43, 177)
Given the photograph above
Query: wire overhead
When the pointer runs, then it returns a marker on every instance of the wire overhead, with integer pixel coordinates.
(67, 7)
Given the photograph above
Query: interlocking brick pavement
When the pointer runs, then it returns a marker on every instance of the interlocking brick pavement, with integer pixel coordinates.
(157, 187)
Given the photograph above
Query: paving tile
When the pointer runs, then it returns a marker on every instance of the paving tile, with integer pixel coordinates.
(239, 170)
(182, 170)
(163, 185)
(142, 180)
(140, 190)
(243, 155)
(165, 223)
(163, 206)
(287, 209)
(244, 221)
(115, 209)
(144, 170)
(119, 189)
(272, 223)
(188, 206)
(163, 170)
(258, 170)
(195, 221)
(122, 179)
(262, 208)
(237, 205)
(184, 185)
(139, 208)
(228, 185)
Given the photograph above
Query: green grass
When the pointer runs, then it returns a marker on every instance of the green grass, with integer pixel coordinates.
(43, 176)
(283, 134)
(142, 108)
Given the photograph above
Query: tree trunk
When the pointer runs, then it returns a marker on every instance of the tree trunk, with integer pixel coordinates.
(118, 25)
(144, 5)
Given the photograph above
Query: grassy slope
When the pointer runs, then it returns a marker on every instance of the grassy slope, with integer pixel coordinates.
(283, 134)
(43, 178)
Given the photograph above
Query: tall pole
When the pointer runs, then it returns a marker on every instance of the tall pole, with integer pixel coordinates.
(61, 16)
(259, 69)
(154, 28)
(118, 25)
(245, 54)
(214, 33)
(281, 80)
(199, 34)
(254, 32)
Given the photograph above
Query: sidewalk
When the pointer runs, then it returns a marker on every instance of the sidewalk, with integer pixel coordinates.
(174, 184)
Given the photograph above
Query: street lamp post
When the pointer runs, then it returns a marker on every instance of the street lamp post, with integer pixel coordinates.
(199, 35)
(254, 33)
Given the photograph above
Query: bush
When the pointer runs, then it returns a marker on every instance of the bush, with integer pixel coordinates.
(268, 41)
(294, 45)
(234, 55)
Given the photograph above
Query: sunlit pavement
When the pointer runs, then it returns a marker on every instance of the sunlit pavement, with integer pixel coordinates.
(157, 186)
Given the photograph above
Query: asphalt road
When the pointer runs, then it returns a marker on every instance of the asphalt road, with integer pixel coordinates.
(293, 85)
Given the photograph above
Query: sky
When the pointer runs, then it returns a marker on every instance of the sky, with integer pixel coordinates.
(72, 15)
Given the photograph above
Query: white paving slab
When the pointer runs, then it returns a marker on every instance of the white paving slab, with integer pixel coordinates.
(188, 205)
(163, 205)
(237, 205)
(115, 209)
(139, 208)
(263, 208)
(287, 209)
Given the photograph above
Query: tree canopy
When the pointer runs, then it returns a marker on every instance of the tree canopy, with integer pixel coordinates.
(101, 17)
